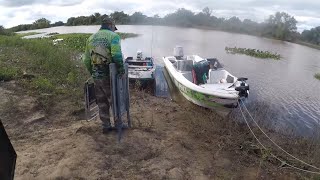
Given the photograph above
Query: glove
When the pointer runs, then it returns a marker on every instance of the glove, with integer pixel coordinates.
(121, 71)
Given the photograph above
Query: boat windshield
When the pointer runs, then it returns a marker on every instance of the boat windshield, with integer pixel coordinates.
(214, 63)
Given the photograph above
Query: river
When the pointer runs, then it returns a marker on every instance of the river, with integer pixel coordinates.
(287, 88)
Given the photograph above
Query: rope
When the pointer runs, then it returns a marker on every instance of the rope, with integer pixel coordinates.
(292, 166)
(151, 40)
(286, 152)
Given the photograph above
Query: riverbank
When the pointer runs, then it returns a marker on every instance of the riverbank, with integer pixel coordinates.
(314, 46)
(41, 107)
(308, 44)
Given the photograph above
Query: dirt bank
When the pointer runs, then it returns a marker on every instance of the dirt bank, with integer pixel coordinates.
(168, 141)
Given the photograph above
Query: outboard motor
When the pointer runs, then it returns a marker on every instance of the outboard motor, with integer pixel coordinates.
(139, 55)
(243, 88)
(178, 52)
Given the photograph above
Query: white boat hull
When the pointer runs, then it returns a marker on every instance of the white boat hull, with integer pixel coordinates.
(197, 95)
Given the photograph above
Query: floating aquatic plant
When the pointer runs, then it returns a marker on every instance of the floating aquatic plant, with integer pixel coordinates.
(253, 52)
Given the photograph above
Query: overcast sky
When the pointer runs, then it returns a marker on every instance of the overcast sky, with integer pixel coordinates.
(15, 12)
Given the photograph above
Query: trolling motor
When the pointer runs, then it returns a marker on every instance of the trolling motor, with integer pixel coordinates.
(243, 88)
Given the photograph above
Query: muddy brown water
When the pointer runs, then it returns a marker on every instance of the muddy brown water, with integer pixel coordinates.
(286, 89)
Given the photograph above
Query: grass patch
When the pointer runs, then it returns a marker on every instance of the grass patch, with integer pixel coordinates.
(26, 34)
(56, 72)
(51, 34)
(43, 85)
(253, 52)
(77, 41)
(8, 73)
(317, 76)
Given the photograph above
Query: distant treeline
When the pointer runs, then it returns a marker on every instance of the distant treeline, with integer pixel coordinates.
(279, 26)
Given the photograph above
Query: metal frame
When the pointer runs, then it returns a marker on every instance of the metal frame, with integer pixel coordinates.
(90, 99)
(120, 97)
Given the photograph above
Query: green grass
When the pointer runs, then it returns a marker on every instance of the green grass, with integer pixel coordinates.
(77, 41)
(26, 34)
(56, 72)
(43, 85)
(7, 73)
(317, 76)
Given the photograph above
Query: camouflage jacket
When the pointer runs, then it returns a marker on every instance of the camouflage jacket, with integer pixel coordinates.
(102, 49)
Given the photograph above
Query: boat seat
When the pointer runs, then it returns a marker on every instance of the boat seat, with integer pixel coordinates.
(184, 65)
(215, 76)
(188, 75)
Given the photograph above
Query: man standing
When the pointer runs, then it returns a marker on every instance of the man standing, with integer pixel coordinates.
(102, 49)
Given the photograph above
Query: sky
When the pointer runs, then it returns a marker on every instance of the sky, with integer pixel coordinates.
(15, 12)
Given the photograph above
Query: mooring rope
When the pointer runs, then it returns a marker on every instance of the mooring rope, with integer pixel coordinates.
(275, 142)
(285, 163)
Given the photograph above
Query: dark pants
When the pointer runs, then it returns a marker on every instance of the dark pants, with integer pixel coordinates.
(103, 95)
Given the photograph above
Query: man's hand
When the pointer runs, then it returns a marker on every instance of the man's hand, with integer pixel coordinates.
(120, 71)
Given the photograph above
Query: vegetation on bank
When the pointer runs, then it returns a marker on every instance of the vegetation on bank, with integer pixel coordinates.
(317, 76)
(77, 41)
(46, 70)
(26, 34)
(5, 32)
(314, 46)
(39, 66)
(279, 26)
(51, 73)
(253, 52)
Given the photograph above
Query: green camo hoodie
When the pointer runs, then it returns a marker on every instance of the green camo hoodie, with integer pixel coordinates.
(103, 48)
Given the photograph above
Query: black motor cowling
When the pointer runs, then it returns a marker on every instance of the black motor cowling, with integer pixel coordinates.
(243, 88)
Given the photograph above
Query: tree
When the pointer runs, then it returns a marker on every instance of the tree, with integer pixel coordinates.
(138, 18)
(281, 26)
(207, 11)
(98, 18)
(59, 23)
(182, 17)
(41, 23)
(1, 29)
(120, 17)
(97, 15)
(70, 21)
(311, 36)
(4, 31)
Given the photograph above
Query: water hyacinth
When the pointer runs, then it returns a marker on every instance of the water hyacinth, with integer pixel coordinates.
(253, 52)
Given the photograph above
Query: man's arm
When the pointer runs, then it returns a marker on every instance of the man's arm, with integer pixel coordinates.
(87, 58)
(117, 54)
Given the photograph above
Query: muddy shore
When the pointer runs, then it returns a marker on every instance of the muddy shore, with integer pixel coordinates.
(167, 141)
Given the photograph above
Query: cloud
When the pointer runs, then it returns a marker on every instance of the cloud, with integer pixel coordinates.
(14, 12)
(19, 3)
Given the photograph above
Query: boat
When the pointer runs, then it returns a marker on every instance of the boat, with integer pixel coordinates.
(204, 81)
(140, 68)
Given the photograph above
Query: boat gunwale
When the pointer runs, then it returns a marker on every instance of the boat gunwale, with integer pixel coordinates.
(182, 80)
